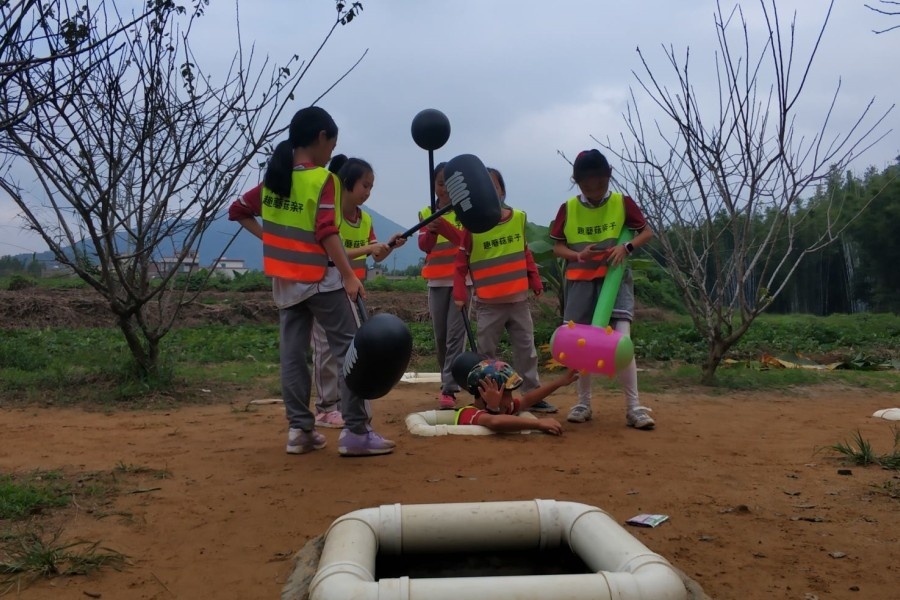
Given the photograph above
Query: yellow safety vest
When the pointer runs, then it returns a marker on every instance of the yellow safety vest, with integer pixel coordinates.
(497, 262)
(290, 249)
(357, 236)
(599, 226)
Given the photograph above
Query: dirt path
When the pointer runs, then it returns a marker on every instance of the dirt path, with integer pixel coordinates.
(737, 473)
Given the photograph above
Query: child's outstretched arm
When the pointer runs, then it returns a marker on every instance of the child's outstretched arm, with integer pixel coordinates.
(511, 423)
(535, 396)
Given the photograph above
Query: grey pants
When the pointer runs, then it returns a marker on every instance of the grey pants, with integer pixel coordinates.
(514, 317)
(581, 298)
(449, 333)
(339, 320)
(325, 372)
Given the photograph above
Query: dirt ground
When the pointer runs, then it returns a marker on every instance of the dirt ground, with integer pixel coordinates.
(755, 510)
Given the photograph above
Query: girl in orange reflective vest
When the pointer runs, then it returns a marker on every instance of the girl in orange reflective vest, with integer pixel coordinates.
(503, 271)
(586, 230)
(312, 278)
(440, 240)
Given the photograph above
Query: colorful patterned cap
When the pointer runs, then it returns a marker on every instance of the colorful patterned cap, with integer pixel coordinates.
(496, 370)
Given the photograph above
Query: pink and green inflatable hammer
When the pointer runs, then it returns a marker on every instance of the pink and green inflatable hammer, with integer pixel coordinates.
(596, 348)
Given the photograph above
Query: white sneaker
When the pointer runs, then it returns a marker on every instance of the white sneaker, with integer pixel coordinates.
(639, 418)
(579, 414)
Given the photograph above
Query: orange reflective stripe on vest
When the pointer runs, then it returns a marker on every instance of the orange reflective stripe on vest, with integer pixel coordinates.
(439, 262)
(293, 253)
(597, 226)
(591, 268)
(497, 261)
(290, 248)
(501, 276)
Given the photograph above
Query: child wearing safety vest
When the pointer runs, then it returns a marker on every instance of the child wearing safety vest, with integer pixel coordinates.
(440, 240)
(502, 270)
(356, 231)
(585, 234)
(312, 278)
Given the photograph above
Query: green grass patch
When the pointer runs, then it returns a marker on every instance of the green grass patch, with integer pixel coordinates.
(405, 284)
(31, 554)
(860, 451)
(75, 366)
(23, 496)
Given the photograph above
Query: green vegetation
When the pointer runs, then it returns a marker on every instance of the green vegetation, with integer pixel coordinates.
(22, 497)
(859, 451)
(93, 365)
(32, 553)
(32, 544)
(406, 284)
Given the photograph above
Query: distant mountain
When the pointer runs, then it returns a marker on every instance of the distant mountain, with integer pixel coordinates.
(248, 248)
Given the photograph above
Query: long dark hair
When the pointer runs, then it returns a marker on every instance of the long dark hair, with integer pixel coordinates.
(278, 171)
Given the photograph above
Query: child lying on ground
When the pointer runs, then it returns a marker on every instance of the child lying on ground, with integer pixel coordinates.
(491, 382)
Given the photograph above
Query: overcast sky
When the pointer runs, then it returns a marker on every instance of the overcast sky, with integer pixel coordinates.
(521, 80)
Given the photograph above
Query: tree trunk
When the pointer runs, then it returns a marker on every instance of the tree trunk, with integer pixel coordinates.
(144, 351)
(717, 349)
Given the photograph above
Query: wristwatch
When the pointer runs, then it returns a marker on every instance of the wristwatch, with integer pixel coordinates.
(629, 247)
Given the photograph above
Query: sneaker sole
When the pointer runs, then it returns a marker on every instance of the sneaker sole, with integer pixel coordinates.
(302, 450)
(644, 427)
(346, 452)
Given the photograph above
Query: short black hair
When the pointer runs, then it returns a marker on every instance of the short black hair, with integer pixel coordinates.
(590, 162)
(499, 177)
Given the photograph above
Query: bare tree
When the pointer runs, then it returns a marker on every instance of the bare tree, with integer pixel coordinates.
(891, 9)
(723, 181)
(35, 34)
(134, 161)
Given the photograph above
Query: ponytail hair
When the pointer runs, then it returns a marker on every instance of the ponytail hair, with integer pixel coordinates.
(278, 172)
(337, 161)
(352, 171)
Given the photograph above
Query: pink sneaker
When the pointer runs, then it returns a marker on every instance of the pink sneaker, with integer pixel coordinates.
(301, 442)
(330, 420)
(363, 444)
(447, 402)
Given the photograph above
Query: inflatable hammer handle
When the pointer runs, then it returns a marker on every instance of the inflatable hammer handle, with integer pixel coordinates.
(465, 315)
(361, 309)
(433, 217)
(610, 288)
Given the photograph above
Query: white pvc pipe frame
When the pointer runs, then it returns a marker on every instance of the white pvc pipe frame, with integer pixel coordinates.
(432, 423)
(623, 568)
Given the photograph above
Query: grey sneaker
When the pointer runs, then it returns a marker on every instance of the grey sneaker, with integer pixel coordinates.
(363, 444)
(579, 414)
(639, 418)
(301, 442)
